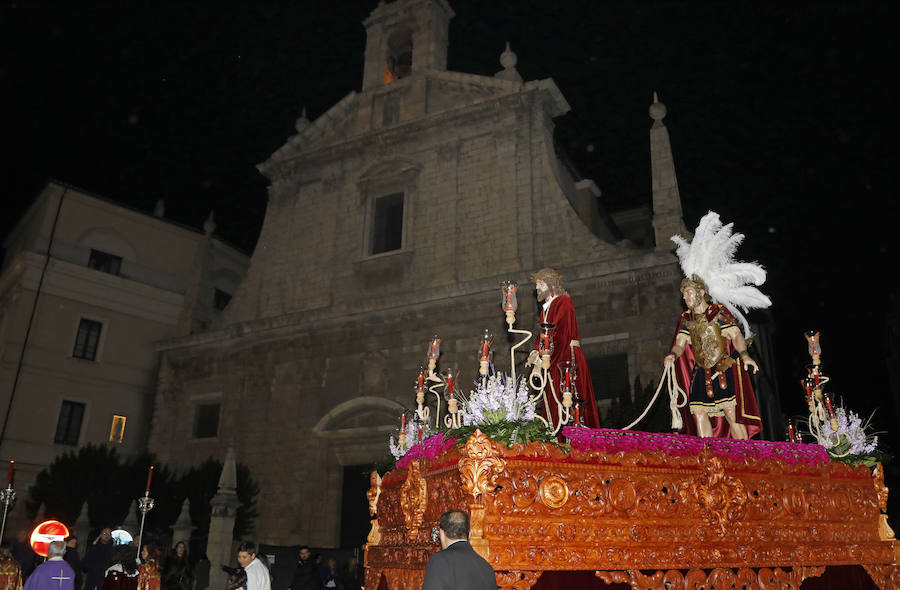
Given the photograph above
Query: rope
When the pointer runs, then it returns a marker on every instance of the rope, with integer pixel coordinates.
(677, 399)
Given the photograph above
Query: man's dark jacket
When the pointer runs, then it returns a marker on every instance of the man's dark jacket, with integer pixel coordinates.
(306, 576)
(458, 567)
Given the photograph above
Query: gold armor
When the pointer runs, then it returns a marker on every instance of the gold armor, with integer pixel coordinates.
(707, 342)
(709, 350)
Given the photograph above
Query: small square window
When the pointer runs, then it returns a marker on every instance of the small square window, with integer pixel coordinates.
(117, 429)
(221, 299)
(87, 339)
(387, 223)
(68, 426)
(105, 262)
(206, 420)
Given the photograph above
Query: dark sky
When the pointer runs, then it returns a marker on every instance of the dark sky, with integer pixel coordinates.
(781, 117)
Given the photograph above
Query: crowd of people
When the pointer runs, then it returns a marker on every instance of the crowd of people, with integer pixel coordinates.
(108, 565)
(310, 573)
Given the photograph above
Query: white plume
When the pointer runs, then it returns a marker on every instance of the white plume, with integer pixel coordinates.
(710, 256)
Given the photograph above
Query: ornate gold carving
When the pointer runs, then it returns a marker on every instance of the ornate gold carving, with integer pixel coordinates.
(553, 492)
(413, 498)
(516, 580)
(404, 579)
(884, 576)
(721, 496)
(374, 492)
(480, 465)
(621, 494)
(881, 492)
(640, 511)
(374, 537)
(718, 578)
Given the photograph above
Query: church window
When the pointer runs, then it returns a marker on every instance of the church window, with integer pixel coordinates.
(105, 262)
(87, 339)
(609, 375)
(399, 56)
(206, 420)
(68, 426)
(221, 299)
(387, 225)
(117, 429)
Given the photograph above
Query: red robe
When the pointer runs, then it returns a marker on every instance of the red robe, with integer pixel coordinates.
(746, 411)
(562, 313)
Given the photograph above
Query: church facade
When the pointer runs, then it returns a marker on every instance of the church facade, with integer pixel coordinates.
(392, 217)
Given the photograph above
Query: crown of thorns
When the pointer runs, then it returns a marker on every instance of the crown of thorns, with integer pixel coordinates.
(547, 275)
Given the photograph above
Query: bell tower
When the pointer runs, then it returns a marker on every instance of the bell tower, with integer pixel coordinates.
(403, 38)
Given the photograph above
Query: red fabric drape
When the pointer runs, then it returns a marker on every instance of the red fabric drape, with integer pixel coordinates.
(562, 313)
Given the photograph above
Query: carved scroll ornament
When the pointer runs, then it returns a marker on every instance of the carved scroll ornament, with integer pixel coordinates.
(413, 498)
(516, 580)
(721, 496)
(718, 578)
(480, 465)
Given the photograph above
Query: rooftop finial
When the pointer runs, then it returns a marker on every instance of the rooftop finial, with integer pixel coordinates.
(657, 110)
(209, 226)
(508, 60)
(301, 123)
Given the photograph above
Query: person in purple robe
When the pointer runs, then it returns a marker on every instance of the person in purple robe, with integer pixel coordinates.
(53, 574)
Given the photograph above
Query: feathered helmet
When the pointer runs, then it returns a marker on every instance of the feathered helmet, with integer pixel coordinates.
(708, 262)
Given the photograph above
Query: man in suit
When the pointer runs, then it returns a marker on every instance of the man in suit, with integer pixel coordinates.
(457, 566)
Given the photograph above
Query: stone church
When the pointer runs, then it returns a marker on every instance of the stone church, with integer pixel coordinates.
(392, 217)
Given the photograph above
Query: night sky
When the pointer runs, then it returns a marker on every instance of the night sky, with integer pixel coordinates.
(781, 117)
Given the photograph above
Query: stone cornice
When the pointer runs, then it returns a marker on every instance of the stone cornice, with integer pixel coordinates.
(97, 289)
(643, 268)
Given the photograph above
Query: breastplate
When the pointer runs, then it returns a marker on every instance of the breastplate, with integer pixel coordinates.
(707, 343)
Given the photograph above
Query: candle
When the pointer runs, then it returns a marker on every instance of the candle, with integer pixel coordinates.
(808, 390)
(403, 422)
(421, 380)
(791, 431)
(149, 477)
(568, 379)
(576, 415)
(419, 436)
(12, 468)
(450, 384)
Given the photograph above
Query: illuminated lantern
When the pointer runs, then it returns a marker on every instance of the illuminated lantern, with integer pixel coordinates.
(121, 537)
(45, 533)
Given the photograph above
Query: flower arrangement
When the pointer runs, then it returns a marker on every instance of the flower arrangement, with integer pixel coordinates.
(497, 399)
(846, 438)
(679, 445)
(503, 410)
(415, 432)
(431, 448)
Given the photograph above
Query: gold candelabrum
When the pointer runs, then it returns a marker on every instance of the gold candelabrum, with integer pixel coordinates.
(443, 384)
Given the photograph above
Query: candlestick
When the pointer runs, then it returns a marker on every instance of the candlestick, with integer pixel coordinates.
(434, 351)
(12, 467)
(149, 478)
